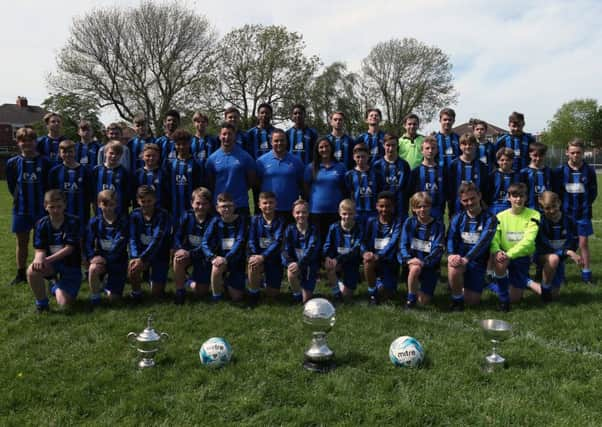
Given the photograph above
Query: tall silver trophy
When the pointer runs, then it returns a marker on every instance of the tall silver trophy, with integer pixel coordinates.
(319, 318)
(147, 343)
(495, 331)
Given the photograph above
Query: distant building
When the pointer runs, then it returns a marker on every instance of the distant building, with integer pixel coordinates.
(493, 131)
(15, 116)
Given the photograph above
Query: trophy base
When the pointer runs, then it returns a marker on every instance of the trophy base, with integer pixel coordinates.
(493, 363)
(320, 367)
(146, 363)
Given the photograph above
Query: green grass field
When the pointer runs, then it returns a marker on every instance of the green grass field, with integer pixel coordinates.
(75, 367)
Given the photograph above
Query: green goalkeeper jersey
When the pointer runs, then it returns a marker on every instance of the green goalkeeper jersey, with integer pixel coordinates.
(516, 234)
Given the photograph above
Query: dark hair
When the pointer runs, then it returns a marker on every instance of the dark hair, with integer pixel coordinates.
(411, 116)
(368, 111)
(315, 165)
(475, 122)
(264, 105)
(181, 135)
(447, 112)
(361, 148)
(231, 110)
(226, 125)
(224, 197)
(173, 113)
(146, 190)
(300, 107)
(539, 147)
(516, 117)
(386, 195)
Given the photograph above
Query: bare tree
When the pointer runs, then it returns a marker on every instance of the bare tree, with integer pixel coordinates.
(263, 64)
(408, 76)
(141, 59)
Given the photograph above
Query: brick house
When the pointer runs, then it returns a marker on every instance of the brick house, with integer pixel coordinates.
(15, 116)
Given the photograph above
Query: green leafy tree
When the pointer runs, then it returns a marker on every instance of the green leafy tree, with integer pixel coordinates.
(259, 64)
(72, 109)
(579, 118)
(338, 89)
(142, 59)
(407, 76)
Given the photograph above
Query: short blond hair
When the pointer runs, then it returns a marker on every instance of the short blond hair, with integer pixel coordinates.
(347, 204)
(419, 198)
(116, 146)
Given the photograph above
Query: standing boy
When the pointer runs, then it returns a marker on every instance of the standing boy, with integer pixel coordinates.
(448, 142)
(517, 140)
(577, 186)
(259, 138)
(166, 142)
(361, 184)
(27, 179)
(48, 145)
(393, 174)
(301, 137)
(410, 143)
(374, 137)
(150, 174)
(341, 142)
(111, 175)
(86, 150)
(486, 150)
(537, 176)
(203, 145)
(137, 143)
(430, 177)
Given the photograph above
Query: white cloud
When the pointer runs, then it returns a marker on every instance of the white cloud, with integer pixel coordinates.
(529, 56)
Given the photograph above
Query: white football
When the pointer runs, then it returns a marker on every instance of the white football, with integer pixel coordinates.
(406, 351)
(215, 352)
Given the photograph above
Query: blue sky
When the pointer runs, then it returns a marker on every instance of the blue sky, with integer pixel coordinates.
(529, 56)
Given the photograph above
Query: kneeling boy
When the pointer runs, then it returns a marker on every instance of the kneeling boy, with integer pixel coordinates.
(57, 252)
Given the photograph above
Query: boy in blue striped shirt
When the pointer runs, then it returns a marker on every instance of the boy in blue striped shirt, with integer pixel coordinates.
(57, 252)
(188, 236)
(150, 174)
(27, 179)
(301, 138)
(106, 249)
(301, 253)
(111, 175)
(265, 242)
(342, 252)
(537, 175)
(380, 243)
(577, 187)
(150, 237)
(421, 247)
(224, 244)
(48, 145)
(361, 184)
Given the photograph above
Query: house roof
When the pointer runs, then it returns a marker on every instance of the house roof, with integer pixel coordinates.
(467, 128)
(13, 114)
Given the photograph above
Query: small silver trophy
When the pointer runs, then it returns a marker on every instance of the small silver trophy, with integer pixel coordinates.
(495, 331)
(147, 343)
(319, 318)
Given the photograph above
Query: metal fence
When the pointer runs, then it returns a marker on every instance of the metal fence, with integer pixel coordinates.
(556, 156)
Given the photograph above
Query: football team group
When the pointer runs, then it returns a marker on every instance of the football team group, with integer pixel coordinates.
(366, 208)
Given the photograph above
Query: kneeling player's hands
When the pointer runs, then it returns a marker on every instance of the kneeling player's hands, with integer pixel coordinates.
(293, 268)
(181, 256)
(575, 257)
(39, 263)
(136, 266)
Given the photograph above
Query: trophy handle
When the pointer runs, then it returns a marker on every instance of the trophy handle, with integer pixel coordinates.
(132, 339)
(164, 336)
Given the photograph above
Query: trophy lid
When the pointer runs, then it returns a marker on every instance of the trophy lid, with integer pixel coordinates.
(149, 334)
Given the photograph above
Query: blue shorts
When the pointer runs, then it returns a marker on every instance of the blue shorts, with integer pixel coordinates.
(116, 276)
(429, 277)
(70, 278)
(387, 272)
(157, 271)
(272, 269)
(350, 274)
(518, 272)
(585, 227)
(235, 279)
(23, 223)
(309, 277)
(201, 272)
(474, 276)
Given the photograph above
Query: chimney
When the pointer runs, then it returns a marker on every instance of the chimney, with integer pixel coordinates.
(21, 101)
